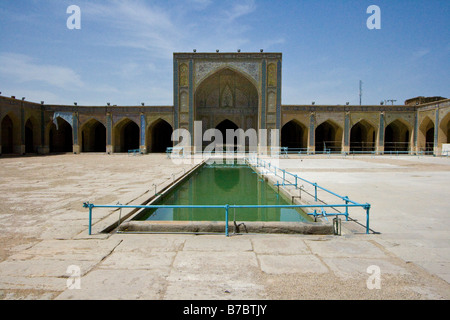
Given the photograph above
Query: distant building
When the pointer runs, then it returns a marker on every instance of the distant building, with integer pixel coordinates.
(421, 100)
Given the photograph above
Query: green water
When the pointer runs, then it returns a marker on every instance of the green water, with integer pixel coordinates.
(220, 185)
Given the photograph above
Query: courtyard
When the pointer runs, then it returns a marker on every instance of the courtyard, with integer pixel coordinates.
(44, 234)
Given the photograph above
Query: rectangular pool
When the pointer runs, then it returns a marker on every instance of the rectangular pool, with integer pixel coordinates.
(221, 184)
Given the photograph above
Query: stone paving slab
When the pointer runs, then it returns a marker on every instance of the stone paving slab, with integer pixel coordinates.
(160, 261)
(292, 264)
(81, 250)
(40, 284)
(229, 289)
(345, 248)
(39, 242)
(346, 268)
(218, 243)
(192, 265)
(279, 246)
(117, 285)
(151, 243)
(44, 267)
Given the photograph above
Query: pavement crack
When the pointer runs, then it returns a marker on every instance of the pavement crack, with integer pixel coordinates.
(103, 258)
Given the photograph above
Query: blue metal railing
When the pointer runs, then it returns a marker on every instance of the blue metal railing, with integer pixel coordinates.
(134, 152)
(260, 163)
(283, 173)
(322, 207)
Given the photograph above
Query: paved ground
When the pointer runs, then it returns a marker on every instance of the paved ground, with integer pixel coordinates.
(44, 240)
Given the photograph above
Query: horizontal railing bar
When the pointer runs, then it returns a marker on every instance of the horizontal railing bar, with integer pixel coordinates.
(312, 183)
(227, 206)
(91, 205)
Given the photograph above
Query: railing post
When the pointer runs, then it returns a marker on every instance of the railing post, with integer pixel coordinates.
(296, 181)
(90, 219)
(315, 192)
(90, 206)
(226, 219)
(367, 218)
(284, 175)
(346, 208)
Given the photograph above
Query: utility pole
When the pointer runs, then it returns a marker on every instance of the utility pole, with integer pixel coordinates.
(391, 101)
(360, 92)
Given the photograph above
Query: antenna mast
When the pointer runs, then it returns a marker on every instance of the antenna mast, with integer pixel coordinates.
(360, 92)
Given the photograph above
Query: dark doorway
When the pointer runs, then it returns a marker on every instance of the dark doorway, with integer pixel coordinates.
(93, 137)
(130, 138)
(7, 135)
(293, 135)
(223, 127)
(29, 138)
(429, 140)
(448, 132)
(396, 137)
(160, 137)
(328, 137)
(362, 138)
(61, 139)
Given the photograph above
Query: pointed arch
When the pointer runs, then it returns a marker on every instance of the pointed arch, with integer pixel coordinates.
(126, 134)
(425, 139)
(444, 129)
(10, 134)
(397, 136)
(31, 135)
(223, 127)
(7, 135)
(227, 91)
(362, 137)
(294, 134)
(328, 137)
(60, 138)
(159, 136)
(93, 136)
(220, 69)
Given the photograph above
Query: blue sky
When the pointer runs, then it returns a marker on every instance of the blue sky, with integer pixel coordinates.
(123, 52)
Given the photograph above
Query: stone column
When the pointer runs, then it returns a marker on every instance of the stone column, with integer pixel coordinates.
(263, 140)
(380, 140)
(346, 144)
(43, 149)
(436, 149)
(20, 149)
(109, 146)
(415, 148)
(142, 144)
(75, 133)
(312, 132)
(191, 105)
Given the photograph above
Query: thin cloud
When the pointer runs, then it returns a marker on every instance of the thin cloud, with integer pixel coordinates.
(160, 31)
(240, 9)
(226, 29)
(138, 25)
(23, 68)
(200, 4)
(420, 53)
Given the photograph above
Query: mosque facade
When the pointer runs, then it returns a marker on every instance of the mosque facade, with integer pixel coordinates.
(225, 91)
